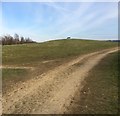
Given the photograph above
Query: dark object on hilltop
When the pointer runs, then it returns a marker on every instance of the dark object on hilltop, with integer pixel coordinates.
(9, 40)
(68, 37)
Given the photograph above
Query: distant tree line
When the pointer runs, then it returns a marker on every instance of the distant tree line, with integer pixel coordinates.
(9, 40)
(113, 40)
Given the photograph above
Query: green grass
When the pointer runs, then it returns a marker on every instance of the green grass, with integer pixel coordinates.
(33, 53)
(14, 73)
(100, 93)
(11, 77)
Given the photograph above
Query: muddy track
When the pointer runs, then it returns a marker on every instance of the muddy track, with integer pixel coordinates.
(52, 92)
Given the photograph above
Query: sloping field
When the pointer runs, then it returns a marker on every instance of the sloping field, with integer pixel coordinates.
(38, 77)
(31, 54)
(32, 60)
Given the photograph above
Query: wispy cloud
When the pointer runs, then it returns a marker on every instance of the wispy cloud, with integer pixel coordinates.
(60, 19)
(77, 20)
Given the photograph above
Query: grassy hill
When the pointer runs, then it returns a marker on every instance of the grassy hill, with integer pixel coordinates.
(38, 55)
(51, 50)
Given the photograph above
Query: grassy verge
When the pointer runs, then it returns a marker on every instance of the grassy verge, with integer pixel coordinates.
(100, 93)
(12, 73)
(12, 76)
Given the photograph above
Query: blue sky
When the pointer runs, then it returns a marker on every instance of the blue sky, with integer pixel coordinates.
(43, 21)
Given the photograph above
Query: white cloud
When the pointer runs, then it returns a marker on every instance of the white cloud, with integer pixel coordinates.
(69, 19)
(111, 15)
(78, 20)
(68, 22)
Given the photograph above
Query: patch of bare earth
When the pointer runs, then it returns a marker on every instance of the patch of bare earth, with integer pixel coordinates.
(52, 92)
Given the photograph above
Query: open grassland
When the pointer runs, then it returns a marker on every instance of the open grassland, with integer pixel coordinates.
(61, 64)
(32, 54)
(43, 57)
(100, 93)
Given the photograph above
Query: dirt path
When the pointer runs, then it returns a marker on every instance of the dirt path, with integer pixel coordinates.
(52, 92)
(16, 67)
(22, 67)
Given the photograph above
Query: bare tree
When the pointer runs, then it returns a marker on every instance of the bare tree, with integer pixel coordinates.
(16, 38)
(9, 40)
(22, 40)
